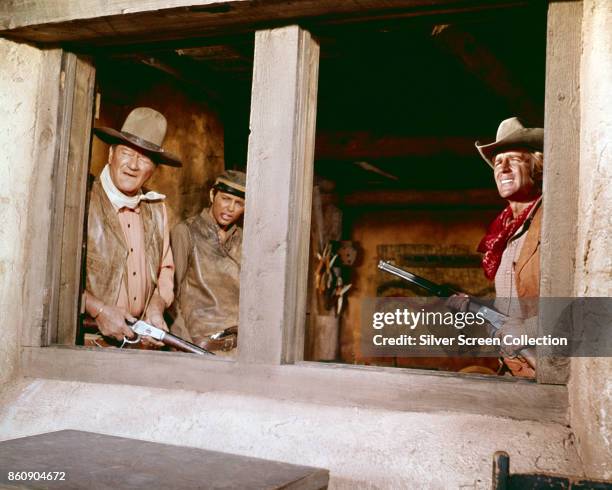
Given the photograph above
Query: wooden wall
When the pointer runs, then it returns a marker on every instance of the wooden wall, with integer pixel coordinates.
(371, 228)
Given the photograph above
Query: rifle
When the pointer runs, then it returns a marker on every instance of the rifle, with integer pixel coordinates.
(143, 328)
(491, 315)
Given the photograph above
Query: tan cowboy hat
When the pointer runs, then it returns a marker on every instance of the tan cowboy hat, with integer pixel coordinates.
(512, 134)
(145, 129)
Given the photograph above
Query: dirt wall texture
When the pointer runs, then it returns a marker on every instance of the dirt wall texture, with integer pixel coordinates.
(19, 79)
(590, 386)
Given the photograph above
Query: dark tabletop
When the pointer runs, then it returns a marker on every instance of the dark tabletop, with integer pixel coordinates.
(96, 461)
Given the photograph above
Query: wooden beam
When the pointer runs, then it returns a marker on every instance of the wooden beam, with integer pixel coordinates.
(344, 145)
(481, 62)
(105, 22)
(38, 279)
(224, 55)
(191, 73)
(561, 167)
(279, 193)
(54, 265)
(333, 384)
(469, 198)
(73, 205)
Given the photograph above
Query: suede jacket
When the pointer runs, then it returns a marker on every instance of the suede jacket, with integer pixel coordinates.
(107, 251)
(207, 277)
(527, 268)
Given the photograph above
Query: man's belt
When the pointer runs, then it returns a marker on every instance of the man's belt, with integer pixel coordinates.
(225, 340)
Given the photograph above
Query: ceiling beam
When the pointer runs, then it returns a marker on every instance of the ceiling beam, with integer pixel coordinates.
(360, 145)
(482, 63)
(467, 198)
(104, 22)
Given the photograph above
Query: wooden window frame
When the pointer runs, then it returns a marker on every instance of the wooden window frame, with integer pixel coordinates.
(275, 265)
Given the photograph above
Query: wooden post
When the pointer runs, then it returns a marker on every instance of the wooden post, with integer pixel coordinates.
(54, 263)
(561, 159)
(37, 290)
(279, 195)
(69, 190)
(76, 169)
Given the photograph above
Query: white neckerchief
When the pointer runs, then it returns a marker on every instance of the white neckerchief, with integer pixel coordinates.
(119, 199)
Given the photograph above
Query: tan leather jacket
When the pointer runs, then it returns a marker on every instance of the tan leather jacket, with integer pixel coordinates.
(207, 274)
(527, 273)
(527, 267)
(107, 251)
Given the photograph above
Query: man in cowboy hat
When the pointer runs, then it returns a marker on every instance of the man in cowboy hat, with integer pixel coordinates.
(130, 269)
(207, 250)
(511, 245)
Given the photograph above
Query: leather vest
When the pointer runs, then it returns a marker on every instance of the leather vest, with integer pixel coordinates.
(527, 269)
(208, 296)
(107, 250)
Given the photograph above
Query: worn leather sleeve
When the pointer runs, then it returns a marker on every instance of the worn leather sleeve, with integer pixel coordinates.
(181, 248)
(165, 282)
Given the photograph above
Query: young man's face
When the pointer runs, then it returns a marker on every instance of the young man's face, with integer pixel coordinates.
(514, 175)
(129, 169)
(226, 208)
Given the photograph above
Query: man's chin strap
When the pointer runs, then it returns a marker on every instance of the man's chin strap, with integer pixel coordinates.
(119, 199)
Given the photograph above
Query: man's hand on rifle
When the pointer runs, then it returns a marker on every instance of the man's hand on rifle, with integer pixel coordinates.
(111, 321)
(155, 316)
(513, 327)
(458, 302)
(520, 361)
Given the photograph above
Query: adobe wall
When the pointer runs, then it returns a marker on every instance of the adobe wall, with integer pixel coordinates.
(363, 448)
(590, 387)
(19, 79)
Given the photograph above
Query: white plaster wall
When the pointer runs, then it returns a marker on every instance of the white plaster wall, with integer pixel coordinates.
(590, 387)
(362, 448)
(19, 79)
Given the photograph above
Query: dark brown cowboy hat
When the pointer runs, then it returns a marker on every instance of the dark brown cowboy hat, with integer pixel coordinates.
(144, 129)
(512, 134)
(231, 182)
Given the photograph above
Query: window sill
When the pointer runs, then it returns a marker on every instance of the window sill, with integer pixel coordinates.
(331, 384)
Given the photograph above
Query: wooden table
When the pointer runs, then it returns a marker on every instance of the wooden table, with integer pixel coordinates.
(95, 461)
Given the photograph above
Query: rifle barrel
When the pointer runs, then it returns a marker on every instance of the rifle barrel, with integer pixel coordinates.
(184, 346)
(423, 283)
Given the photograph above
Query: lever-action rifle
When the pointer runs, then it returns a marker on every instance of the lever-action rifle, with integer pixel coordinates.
(491, 315)
(494, 317)
(143, 328)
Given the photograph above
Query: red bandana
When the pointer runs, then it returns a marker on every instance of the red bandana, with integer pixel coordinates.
(500, 231)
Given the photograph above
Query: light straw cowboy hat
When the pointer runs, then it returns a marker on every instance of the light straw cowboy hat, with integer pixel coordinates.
(144, 129)
(512, 134)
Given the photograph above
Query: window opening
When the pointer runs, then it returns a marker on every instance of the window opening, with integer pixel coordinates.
(397, 176)
(203, 91)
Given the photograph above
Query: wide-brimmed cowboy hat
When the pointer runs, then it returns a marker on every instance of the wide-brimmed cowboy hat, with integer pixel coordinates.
(512, 134)
(144, 129)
